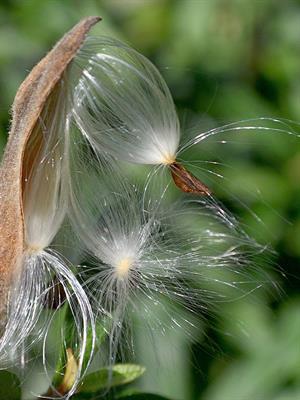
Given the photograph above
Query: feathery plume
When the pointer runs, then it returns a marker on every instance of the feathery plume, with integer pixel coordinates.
(124, 108)
(34, 196)
(89, 103)
(176, 253)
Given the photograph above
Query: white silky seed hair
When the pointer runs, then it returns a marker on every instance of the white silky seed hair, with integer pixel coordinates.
(122, 104)
(118, 102)
(178, 253)
(45, 200)
(45, 179)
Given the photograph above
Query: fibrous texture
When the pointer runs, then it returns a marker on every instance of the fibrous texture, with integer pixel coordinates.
(140, 253)
(90, 108)
(124, 108)
(33, 201)
(122, 104)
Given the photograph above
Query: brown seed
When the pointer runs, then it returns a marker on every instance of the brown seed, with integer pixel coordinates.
(186, 181)
(28, 106)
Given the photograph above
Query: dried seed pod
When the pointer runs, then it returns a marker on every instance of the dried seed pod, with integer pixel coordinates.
(27, 108)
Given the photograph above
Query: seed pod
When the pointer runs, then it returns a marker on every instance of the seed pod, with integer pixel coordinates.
(27, 108)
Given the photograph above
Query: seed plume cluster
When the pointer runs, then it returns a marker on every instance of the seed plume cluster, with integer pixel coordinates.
(78, 231)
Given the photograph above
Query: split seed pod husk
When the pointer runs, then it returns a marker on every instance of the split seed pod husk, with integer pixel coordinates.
(28, 105)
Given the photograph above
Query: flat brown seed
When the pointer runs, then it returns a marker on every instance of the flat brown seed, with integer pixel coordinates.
(28, 106)
(186, 181)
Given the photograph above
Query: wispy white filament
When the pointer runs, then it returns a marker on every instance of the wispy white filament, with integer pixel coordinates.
(113, 104)
(123, 107)
(181, 253)
(34, 296)
(122, 104)
(45, 275)
(45, 182)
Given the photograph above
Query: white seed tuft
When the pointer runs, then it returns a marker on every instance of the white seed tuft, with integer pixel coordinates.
(122, 104)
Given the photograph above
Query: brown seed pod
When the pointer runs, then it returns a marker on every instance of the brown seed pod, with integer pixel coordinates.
(186, 181)
(27, 108)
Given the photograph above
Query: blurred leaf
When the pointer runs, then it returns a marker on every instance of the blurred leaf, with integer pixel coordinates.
(119, 374)
(9, 386)
(229, 60)
(101, 333)
(57, 330)
(273, 362)
(85, 396)
(68, 326)
(143, 396)
(288, 394)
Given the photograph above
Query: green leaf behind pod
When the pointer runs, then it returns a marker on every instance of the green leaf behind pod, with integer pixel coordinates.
(9, 386)
(143, 396)
(65, 317)
(120, 374)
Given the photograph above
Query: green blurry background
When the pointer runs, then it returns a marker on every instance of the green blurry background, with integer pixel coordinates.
(224, 61)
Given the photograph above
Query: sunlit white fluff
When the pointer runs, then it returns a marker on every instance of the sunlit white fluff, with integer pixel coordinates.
(122, 104)
(46, 281)
(45, 193)
(123, 107)
(33, 302)
(180, 254)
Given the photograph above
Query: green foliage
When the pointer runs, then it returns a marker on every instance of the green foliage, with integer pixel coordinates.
(270, 355)
(142, 396)
(63, 319)
(224, 61)
(10, 388)
(119, 374)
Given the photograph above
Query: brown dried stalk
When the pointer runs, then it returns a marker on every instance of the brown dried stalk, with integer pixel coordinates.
(27, 108)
